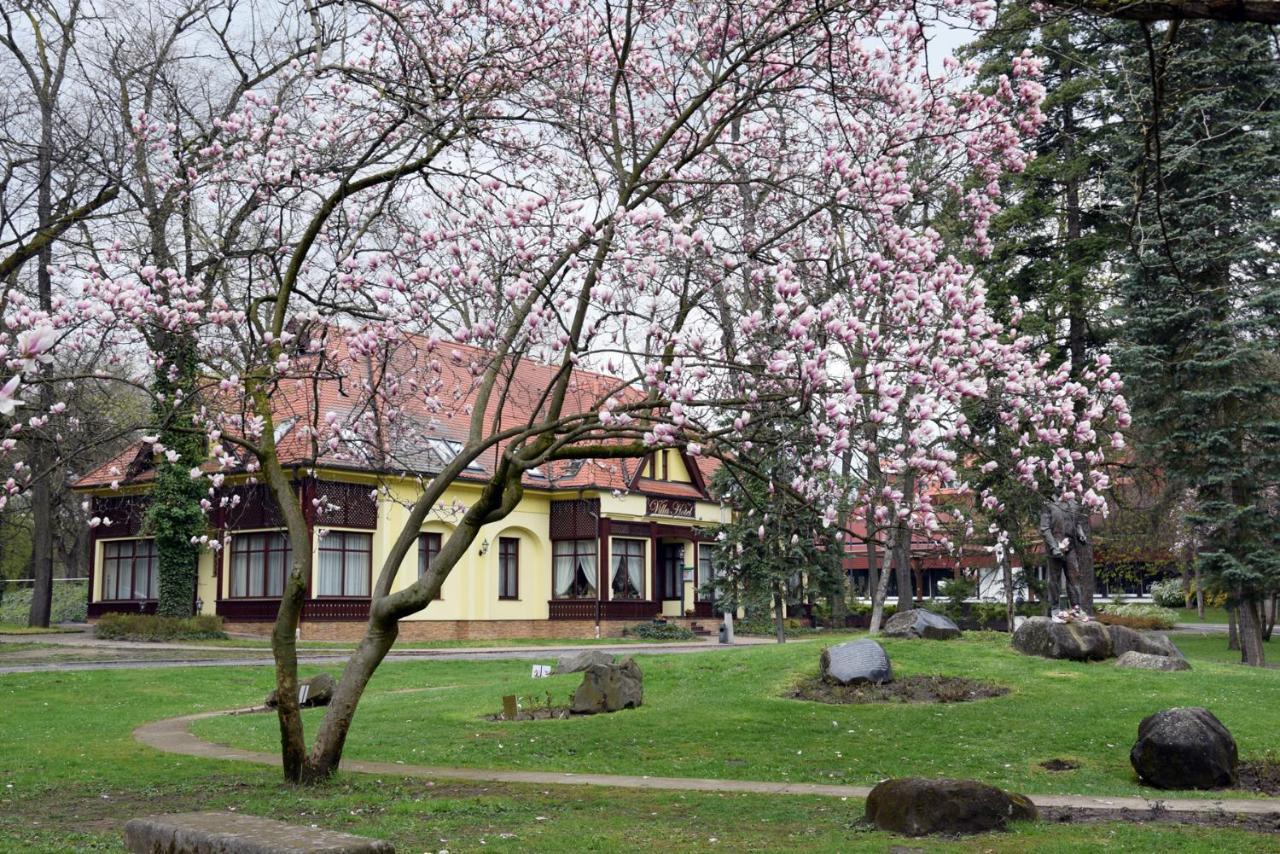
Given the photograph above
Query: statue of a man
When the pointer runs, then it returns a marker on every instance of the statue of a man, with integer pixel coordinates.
(1063, 525)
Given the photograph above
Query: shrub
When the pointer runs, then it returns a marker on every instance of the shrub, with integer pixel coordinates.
(1152, 616)
(1168, 593)
(660, 631)
(146, 627)
(70, 603)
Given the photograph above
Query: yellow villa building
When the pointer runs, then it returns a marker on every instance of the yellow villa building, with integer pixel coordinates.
(594, 546)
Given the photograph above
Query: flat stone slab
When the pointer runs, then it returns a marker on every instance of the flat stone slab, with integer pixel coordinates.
(236, 833)
(577, 662)
(919, 623)
(1147, 661)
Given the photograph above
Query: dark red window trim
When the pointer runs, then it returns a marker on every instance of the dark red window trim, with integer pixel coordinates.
(624, 549)
(273, 542)
(429, 545)
(347, 544)
(137, 555)
(508, 567)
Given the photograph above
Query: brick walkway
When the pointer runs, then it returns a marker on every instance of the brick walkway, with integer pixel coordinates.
(173, 736)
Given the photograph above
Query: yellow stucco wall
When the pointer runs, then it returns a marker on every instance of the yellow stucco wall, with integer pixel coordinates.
(471, 590)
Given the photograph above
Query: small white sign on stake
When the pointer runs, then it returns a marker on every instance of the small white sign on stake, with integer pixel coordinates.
(304, 691)
(541, 671)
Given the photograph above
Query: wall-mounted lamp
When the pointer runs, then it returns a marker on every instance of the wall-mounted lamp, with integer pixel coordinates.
(484, 547)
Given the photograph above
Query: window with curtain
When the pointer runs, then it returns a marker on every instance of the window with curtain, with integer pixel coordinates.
(345, 564)
(428, 551)
(508, 567)
(573, 569)
(706, 572)
(627, 581)
(129, 569)
(259, 561)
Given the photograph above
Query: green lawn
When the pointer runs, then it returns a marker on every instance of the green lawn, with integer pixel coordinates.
(23, 629)
(722, 715)
(70, 774)
(1211, 615)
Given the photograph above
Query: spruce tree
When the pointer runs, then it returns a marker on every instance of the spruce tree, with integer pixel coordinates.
(1201, 292)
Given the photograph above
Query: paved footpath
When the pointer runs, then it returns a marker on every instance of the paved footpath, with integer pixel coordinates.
(173, 735)
(254, 657)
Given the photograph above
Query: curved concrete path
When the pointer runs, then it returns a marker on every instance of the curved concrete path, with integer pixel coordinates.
(173, 735)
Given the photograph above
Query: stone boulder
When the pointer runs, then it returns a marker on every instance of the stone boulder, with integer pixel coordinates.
(576, 662)
(854, 662)
(1147, 661)
(919, 623)
(237, 833)
(1184, 748)
(1076, 641)
(1125, 639)
(913, 806)
(609, 688)
(319, 691)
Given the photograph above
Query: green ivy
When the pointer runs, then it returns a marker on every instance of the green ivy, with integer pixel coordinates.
(174, 516)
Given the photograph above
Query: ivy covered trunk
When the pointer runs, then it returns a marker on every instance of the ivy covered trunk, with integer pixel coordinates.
(174, 516)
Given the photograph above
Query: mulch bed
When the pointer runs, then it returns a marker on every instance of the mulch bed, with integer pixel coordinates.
(909, 689)
(1159, 815)
(557, 713)
(1260, 775)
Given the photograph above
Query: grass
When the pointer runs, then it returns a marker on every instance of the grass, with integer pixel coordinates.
(722, 715)
(1211, 615)
(70, 774)
(23, 629)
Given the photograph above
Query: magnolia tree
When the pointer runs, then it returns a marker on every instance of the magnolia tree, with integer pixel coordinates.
(685, 215)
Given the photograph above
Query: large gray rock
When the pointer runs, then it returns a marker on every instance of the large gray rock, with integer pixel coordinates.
(1076, 641)
(237, 833)
(919, 623)
(856, 661)
(913, 806)
(319, 691)
(609, 688)
(1125, 639)
(1147, 661)
(1184, 748)
(576, 662)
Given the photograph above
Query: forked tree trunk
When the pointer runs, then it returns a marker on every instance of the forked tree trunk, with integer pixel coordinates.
(1233, 633)
(1252, 652)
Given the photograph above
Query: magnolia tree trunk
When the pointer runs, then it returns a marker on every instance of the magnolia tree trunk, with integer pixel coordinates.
(778, 626)
(1006, 569)
(878, 595)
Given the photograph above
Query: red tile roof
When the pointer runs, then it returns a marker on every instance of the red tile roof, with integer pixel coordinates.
(434, 387)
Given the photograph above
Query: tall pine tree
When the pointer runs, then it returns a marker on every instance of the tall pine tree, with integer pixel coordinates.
(1201, 295)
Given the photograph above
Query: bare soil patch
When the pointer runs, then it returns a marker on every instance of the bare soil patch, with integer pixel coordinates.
(1159, 815)
(556, 713)
(909, 689)
(1059, 765)
(1260, 775)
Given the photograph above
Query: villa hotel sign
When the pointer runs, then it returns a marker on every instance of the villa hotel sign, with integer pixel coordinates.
(680, 507)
